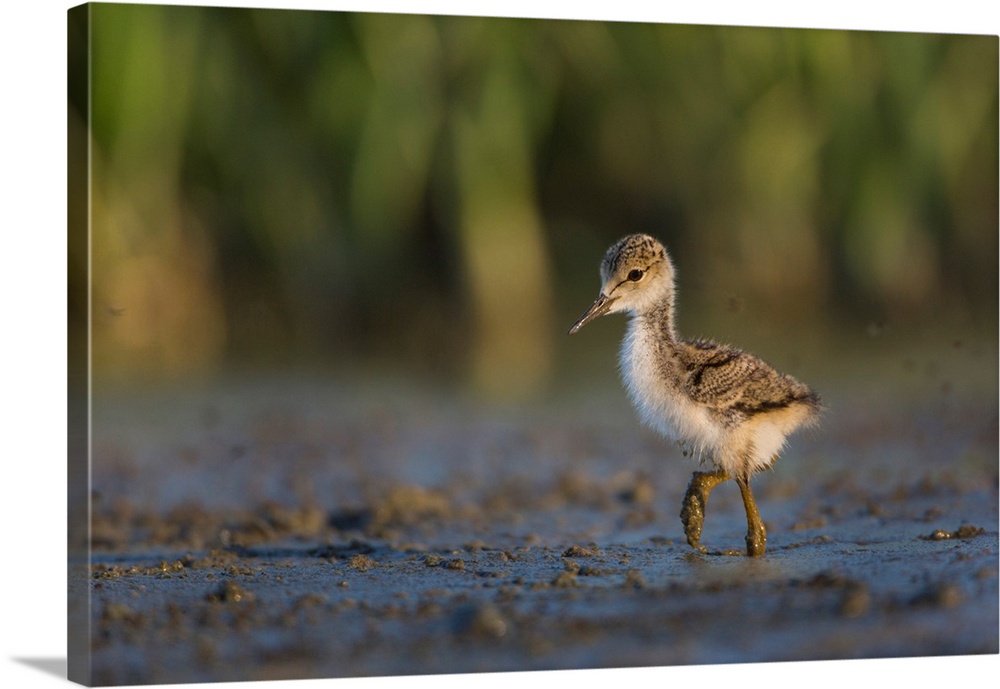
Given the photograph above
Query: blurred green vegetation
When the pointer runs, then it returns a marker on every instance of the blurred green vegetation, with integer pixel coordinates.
(435, 193)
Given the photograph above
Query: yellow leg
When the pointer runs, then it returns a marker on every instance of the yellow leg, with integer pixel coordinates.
(756, 534)
(695, 499)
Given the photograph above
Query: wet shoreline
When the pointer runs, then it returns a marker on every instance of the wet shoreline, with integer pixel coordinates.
(414, 538)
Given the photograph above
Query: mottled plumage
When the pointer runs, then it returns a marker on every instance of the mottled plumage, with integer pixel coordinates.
(726, 404)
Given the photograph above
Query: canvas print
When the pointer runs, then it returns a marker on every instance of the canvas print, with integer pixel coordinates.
(414, 345)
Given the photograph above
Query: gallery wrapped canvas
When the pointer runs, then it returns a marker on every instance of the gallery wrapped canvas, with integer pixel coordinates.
(324, 417)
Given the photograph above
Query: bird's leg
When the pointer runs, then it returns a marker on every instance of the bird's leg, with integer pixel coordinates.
(756, 534)
(695, 499)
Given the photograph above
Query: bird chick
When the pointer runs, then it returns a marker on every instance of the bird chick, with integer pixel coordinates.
(723, 403)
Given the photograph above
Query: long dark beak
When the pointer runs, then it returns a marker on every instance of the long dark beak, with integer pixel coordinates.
(596, 310)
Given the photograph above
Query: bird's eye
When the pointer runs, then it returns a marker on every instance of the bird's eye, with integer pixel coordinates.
(635, 275)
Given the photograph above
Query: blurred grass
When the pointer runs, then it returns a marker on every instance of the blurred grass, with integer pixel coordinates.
(433, 194)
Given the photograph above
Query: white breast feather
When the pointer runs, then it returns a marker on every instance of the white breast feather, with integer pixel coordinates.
(661, 402)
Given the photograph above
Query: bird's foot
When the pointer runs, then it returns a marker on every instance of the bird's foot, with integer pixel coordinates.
(693, 517)
(756, 541)
(693, 508)
(756, 533)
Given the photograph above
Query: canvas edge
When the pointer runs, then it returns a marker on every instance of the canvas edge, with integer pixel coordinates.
(78, 345)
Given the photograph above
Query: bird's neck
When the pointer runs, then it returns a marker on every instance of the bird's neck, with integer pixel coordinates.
(660, 319)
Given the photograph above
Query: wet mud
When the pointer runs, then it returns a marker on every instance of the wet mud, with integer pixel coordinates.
(260, 531)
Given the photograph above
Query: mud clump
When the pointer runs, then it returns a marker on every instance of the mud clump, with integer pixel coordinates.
(578, 488)
(310, 600)
(634, 580)
(634, 489)
(579, 551)
(121, 613)
(408, 505)
(814, 522)
(565, 579)
(855, 600)
(483, 621)
(230, 592)
(333, 552)
(361, 562)
(192, 526)
(164, 569)
(304, 522)
(964, 531)
(938, 596)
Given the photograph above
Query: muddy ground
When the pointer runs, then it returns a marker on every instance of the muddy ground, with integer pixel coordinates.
(312, 527)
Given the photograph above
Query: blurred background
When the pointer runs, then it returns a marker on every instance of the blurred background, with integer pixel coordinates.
(431, 196)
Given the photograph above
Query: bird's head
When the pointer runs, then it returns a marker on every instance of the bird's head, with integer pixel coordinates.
(636, 276)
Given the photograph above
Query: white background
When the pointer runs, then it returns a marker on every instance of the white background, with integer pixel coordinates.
(33, 271)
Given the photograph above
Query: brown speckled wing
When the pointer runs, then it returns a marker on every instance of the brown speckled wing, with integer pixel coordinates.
(729, 380)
